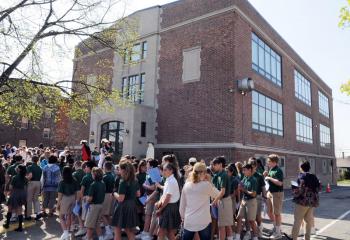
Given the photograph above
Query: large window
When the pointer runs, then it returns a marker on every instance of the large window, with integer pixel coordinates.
(323, 104)
(302, 88)
(303, 128)
(267, 114)
(325, 136)
(112, 131)
(133, 88)
(266, 61)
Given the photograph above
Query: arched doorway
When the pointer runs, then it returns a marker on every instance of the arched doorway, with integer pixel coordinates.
(112, 131)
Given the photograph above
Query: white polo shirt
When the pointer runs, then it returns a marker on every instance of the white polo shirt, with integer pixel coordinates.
(171, 187)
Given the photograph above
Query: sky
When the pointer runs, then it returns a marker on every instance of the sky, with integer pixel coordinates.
(311, 29)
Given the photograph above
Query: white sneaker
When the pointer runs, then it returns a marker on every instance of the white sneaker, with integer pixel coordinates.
(64, 236)
(101, 237)
(82, 231)
(247, 236)
(108, 236)
(238, 237)
(140, 235)
(147, 237)
(276, 235)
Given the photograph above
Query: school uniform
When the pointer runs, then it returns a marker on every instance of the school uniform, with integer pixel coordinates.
(78, 175)
(225, 208)
(249, 205)
(125, 214)
(86, 182)
(170, 217)
(18, 195)
(33, 189)
(275, 193)
(108, 179)
(259, 198)
(68, 191)
(97, 191)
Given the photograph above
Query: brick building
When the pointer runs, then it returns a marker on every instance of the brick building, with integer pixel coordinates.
(206, 46)
(197, 50)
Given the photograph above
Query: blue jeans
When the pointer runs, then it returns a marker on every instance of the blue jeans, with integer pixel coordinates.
(203, 234)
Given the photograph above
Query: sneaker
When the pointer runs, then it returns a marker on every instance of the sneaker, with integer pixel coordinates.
(13, 219)
(147, 237)
(247, 236)
(276, 235)
(38, 217)
(82, 231)
(64, 236)
(238, 237)
(101, 238)
(140, 235)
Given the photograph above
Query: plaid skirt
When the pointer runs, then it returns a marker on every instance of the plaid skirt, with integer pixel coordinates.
(18, 198)
(170, 218)
(125, 215)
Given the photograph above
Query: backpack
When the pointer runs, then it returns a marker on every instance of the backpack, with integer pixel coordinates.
(52, 176)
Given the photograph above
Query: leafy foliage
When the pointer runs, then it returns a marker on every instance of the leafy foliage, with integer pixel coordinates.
(31, 28)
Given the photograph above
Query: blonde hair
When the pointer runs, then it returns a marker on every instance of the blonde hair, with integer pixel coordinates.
(198, 168)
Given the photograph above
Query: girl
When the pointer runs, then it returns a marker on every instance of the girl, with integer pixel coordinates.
(168, 205)
(96, 197)
(125, 215)
(67, 195)
(18, 197)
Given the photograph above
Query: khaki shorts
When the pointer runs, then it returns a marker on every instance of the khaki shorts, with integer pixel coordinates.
(107, 205)
(248, 209)
(276, 201)
(150, 207)
(93, 215)
(67, 204)
(225, 212)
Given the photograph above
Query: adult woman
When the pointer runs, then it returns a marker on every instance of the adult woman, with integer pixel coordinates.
(125, 215)
(195, 204)
(168, 205)
(18, 197)
(85, 150)
(306, 199)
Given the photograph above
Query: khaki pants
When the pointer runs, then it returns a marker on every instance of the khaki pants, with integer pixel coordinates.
(302, 213)
(33, 192)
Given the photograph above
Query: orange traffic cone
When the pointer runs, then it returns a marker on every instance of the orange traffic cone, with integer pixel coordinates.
(328, 189)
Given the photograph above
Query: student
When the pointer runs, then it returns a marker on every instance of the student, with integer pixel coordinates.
(149, 187)
(67, 195)
(95, 198)
(84, 190)
(234, 183)
(195, 203)
(248, 206)
(275, 194)
(125, 215)
(225, 209)
(168, 205)
(79, 172)
(108, 179)
(306, 199)
(260, 193)
(34, 174)
(51, 177)
(17, 197)
(239, 168)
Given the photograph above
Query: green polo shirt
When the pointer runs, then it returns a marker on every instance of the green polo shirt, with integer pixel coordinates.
(18, 182)
(108, 179)
(78, 175)
(275, 173)
(68, 189)
(12, 169)
(86, 182)
(250, 184)
(260, 182)
(36, 172)
(221, 180)
(129, 189)
(97, 191)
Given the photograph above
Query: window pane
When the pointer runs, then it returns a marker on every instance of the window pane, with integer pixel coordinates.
(255, 116)
(255, 56)
(303, 128)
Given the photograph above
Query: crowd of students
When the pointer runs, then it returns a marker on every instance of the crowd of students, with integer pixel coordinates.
(151, 199)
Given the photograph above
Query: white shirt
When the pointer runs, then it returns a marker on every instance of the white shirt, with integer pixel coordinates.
(171, 187)
(195, 205)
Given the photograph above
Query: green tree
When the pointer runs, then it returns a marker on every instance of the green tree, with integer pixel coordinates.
(345, 23)
(31, 28)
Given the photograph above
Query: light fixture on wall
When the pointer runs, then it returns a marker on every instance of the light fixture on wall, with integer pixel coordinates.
(92, 133)
(245, 85)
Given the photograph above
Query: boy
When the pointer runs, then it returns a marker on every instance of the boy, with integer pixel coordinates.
(275, 194)
(224, 205)
(108, 179)
(248, 206)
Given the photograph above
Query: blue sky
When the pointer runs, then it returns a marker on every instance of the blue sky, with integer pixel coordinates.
(311, 28)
